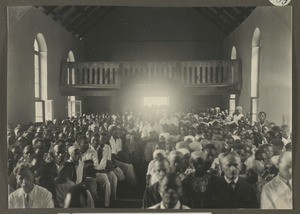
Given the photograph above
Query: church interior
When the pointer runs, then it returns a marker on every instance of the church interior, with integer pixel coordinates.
(77, 66)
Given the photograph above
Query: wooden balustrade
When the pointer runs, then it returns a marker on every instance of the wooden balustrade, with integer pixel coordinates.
(220, 72)
(90, 74)
(148, 72)
(185, 73)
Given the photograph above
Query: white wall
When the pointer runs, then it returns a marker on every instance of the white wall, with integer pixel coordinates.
(24, 25)
(275, 86)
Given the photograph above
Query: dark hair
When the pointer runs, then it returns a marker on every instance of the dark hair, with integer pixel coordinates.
(277, 143)
(173, 179)
(262, 112)
(209, 146)
(63, 174)
(81, 137)
(259, 153)
(21, 168)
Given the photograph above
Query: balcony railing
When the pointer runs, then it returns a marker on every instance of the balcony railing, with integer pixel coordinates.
(185, 73)
(90, 74)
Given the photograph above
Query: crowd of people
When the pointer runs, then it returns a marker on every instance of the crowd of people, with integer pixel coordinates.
(198, 159)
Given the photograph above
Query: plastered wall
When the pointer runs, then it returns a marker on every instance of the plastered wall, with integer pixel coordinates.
(275, 68)
(24, 25)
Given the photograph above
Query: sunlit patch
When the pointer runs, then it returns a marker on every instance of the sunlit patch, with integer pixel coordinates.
(156, 101)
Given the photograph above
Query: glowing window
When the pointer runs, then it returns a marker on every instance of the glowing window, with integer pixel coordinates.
(156, 101)
(40, 80)
(232, 103)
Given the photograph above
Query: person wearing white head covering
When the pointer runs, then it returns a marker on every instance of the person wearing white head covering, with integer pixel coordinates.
(184, 151)
(186, 166)
(195, 146)
(183, 144)
(199, 178)
(75, 158)
(189, 138)
(151, 178)
(164, 135)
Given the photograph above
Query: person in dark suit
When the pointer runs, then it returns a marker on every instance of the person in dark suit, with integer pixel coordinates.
(230, 191)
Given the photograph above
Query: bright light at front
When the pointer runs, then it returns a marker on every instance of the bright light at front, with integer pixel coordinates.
(156, 101)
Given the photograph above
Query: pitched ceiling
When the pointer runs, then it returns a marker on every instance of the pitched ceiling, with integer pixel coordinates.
(79, 20)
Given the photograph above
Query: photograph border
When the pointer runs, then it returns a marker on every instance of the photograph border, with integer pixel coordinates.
(165, 3)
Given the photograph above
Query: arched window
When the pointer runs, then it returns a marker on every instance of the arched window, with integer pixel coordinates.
(233, 53)
(256, 43)
(71, 72)
(232, 97)
(40, 79)
(74, 106)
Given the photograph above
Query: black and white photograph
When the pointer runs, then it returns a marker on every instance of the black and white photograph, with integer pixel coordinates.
(148, 107)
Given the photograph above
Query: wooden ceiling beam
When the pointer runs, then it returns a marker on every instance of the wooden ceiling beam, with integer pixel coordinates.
(74, 14)
(236, 13)
(96, 20)
(230, 12)
(59, 15)
(87, 19)
(218, 12)
(217, 16)
(211, 19)
(240, 12)
(234, 23)
(81, 18)
(49, 9)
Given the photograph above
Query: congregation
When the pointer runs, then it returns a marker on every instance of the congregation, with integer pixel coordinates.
(204, 158)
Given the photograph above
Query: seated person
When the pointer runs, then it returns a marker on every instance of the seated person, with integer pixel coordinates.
(277, 194)
(62, 185)
(176, 160)
(116, 147)
(107, 180)
(152, 196)
(171, 191)
(28, 195)
(199, 179)
(230, 191)
(151, 177)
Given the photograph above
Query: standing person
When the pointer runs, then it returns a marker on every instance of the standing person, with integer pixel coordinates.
(286, 134)
(230, 191)
(237, 115)
(171, 191)
(262, 121)
(277, 194)
(132, 137)
(28, 195)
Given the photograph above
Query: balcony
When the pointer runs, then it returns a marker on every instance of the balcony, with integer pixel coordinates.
(111, 76)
